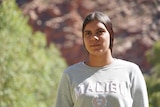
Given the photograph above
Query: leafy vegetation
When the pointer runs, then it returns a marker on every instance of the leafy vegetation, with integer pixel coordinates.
(153, 80)
(29, 72)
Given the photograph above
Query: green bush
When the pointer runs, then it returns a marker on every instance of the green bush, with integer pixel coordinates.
(153, 80)
(29, 72)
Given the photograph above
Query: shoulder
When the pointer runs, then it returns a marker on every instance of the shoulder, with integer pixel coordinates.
(132, 68)
(126, 63)
(74, 67)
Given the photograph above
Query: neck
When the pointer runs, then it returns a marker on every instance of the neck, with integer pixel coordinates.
(99, 61)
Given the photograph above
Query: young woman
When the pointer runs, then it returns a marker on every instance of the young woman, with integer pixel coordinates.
(101, 80)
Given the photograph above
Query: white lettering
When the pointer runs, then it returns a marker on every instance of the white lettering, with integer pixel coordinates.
(102, 88)
(81, 88)
(107, 87)
(114, 86)
(90, 88)
(123, 89)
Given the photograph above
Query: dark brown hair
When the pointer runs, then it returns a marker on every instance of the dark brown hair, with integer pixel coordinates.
(103, 18)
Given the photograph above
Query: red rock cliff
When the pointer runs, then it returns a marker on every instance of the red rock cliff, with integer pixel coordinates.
(136, 24)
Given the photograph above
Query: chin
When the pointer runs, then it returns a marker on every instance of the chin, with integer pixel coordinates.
(97, 53)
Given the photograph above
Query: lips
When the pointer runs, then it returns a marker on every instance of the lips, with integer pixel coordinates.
(95, 45)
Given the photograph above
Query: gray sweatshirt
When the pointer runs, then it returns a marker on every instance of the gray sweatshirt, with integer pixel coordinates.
(120, 84)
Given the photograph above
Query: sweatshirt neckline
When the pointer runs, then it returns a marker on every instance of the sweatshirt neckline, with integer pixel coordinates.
(106, 66)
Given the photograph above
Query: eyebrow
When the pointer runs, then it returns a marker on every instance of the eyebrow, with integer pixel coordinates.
(101, 29)
(96, 30)
(86, 31)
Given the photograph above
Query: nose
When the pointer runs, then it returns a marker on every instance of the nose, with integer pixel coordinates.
(94, 37)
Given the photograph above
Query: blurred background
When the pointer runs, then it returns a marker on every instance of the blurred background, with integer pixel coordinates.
(136, 24)
(40, 38)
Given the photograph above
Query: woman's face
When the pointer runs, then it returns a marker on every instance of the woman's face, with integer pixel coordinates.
(96, 38)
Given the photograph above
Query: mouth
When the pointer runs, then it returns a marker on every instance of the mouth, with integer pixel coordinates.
(95, 45)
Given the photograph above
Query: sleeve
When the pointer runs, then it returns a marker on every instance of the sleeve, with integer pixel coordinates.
(64, 94)
(139, 89)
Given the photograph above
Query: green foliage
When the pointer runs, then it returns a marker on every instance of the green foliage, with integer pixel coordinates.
(29, 72)
(153, 80)
(153, 54)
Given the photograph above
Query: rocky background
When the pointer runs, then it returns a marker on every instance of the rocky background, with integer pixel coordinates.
(136, 24)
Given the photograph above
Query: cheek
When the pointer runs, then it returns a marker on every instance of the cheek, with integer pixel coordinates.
(85, 43)
(106, 40)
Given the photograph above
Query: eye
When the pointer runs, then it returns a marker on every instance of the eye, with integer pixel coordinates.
(100, 31)
(87, 34)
